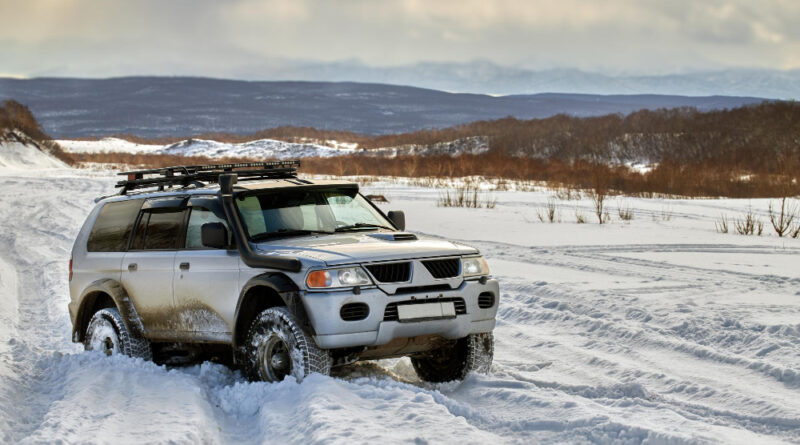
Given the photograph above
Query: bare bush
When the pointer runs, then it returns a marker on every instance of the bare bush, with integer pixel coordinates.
(579, 217)
(750, 224)
(625, 212)
(598, 201)
(796, 231)
(782, 222)
(467, 196)
(722, 224)
(549, 212)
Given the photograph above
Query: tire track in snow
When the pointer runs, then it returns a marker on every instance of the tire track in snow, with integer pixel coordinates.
(601, 324)
(53, 390)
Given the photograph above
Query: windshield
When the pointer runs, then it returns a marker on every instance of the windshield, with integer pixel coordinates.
(298, 212)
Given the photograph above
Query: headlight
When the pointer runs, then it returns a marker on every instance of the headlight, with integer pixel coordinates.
(331, 278)
(474, 266)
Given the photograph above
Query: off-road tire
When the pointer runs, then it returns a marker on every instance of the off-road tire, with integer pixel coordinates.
(276, 324)
(121, 340)
(473, 353)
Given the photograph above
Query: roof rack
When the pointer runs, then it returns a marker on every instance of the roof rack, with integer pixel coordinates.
(186, 175)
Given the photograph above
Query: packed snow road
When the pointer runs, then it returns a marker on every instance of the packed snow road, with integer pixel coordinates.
(656, 330)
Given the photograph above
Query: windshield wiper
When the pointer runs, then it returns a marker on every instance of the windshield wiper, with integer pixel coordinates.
(285, 232)
(362, 226)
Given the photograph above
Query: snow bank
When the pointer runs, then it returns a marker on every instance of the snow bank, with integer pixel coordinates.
(107, 145)
(17, 151)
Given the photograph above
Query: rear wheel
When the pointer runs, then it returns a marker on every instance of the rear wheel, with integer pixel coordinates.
(106, 332)
(277, 346)
(473, 353)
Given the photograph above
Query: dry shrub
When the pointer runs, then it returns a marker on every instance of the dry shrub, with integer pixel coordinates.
(549, 212)
(749, 224)
(598, 201)
(579, 217)
(722, 224)
(625, 212)
(468, 196)
(782, 222)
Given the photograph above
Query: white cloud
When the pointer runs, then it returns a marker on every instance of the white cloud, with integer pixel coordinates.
(115, 37)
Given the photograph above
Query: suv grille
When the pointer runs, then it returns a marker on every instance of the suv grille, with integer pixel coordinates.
(391, 272)
(390, 314)
(443, 268)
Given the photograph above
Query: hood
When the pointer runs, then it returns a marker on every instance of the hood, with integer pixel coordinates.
(363, 247)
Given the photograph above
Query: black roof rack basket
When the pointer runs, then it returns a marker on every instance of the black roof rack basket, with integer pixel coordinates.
(200, 175)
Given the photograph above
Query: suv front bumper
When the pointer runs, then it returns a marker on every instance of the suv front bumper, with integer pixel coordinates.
(334, 332)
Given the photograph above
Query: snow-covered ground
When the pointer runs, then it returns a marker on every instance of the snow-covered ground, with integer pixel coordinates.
(657, 330)
(114, 145)
(270, 148)
(18, 151)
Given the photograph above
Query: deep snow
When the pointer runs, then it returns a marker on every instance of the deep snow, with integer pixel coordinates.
(659, 330)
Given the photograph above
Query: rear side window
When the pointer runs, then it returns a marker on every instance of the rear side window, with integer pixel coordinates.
(113, 226)
(158, 230)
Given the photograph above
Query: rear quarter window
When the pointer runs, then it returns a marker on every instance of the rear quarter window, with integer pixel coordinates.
(113, 226)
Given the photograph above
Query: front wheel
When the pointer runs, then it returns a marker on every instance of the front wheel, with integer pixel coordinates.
(106, 332)
(277, 347)
(473, 353)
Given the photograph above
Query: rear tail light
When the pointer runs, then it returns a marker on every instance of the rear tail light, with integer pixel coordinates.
(70, 269)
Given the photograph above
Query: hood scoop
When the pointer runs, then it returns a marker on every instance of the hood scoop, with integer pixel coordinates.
(394, 236)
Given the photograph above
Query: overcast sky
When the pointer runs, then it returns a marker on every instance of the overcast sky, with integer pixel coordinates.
(240, 38)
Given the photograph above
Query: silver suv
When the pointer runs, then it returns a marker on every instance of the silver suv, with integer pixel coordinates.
(278, 275)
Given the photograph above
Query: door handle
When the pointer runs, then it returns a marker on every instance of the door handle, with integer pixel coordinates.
(132, 267)
(184, 266)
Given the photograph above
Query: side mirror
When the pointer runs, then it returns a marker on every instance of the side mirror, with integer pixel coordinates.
(398, 218)
(214, 235)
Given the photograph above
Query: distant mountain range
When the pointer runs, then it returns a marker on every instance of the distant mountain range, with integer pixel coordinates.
(489, 78)
(185, 106)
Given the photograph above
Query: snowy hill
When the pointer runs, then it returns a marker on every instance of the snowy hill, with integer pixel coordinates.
(271, 148)
(264, 148)
(481, 76)
(18, 151)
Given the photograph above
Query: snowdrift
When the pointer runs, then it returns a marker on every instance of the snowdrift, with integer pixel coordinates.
(18, 151)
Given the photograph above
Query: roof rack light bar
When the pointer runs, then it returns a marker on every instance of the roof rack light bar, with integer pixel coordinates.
(185, 175)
